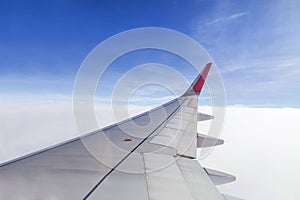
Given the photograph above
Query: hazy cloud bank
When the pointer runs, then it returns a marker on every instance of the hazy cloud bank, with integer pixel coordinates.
(261, 148)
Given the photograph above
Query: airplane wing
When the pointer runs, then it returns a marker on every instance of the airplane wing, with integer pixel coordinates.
(156, 163)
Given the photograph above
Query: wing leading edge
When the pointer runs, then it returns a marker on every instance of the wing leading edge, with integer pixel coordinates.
(156, 163)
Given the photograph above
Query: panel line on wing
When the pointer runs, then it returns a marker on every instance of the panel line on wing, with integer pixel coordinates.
(145, 173)
(122, 160)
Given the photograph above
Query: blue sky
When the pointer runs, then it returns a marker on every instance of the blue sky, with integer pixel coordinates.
(255, 44)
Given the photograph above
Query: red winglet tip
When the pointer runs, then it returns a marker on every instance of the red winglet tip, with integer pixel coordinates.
(200, 82)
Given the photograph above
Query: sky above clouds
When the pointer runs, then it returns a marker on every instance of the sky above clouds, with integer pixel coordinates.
(255, 44)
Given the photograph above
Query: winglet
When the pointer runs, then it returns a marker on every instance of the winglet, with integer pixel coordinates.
(198, 83)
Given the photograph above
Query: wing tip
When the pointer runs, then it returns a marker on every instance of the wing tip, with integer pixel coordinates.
(198, 83)
(197, 87)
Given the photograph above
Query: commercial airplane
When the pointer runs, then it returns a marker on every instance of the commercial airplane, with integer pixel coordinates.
(157, 162)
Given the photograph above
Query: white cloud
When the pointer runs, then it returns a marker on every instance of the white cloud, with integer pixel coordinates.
(30, 97)
(269, 65)
(228, 18)
(258, 79)
(261, 146)
(262, 151)
(26, 127)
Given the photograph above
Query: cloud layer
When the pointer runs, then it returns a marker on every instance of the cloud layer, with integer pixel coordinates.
(261, 146)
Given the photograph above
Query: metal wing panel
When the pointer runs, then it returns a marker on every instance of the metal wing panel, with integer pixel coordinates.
(123, 185)
(179, 131)
(165, 181)
(201, 187)
(228, 197)
(65, 172)
(164, 177)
